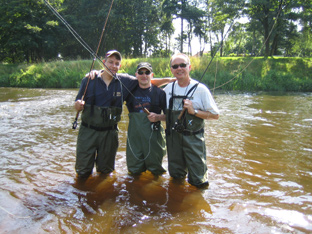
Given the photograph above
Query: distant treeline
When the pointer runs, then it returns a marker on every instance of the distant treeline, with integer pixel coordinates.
(224, 73)
(34, 31)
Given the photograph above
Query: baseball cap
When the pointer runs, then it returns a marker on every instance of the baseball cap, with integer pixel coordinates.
(146, 65)
(111, 52)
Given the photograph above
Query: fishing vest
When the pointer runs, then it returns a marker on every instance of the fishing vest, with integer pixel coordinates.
(101, 118)
(188, 124)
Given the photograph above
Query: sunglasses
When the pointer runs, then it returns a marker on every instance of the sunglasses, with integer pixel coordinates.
(142, 72)
(177, 65)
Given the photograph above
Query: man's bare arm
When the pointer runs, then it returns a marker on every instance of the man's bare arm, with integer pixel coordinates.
(162, 81)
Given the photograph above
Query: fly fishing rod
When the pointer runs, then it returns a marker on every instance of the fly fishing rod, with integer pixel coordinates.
(72, 31)
(178, 124)
(90, 50)
(263, 44)
(92, 65)
(179, 120)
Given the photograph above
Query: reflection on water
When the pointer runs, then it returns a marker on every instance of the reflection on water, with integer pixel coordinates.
(259, 160)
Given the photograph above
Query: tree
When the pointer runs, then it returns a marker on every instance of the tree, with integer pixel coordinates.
(220, 15)
(273, 16)
(23, 31)
(185, 11)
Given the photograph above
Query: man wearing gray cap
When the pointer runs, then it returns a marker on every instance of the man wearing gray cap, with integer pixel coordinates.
(146, 144)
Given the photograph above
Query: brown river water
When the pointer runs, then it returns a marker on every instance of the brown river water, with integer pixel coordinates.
(259, 159)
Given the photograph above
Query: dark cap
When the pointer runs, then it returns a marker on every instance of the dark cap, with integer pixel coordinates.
(111, 52)
(146, 65)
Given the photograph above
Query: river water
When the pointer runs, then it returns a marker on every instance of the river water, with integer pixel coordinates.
(259, 159)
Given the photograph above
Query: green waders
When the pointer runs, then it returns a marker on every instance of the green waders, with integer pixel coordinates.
(97, 141)
(187, 150)
(145, 147)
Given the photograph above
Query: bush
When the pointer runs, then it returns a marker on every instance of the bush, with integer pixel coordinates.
(242, 74)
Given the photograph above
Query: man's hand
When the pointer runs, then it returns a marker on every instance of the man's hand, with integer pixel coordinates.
(92, 74)
(79, 105)
(153, 117)
(189, 106)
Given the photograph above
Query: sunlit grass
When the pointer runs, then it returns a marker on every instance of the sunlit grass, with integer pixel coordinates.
(226, 73)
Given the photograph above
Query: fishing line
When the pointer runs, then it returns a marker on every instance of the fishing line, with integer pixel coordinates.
(87, 47)
(19, 217)
(97, 50)
(95, 56)
(215, 80)
(72, 31)
(275, 22)
(213, 56)
(149, 148)
(248, 64)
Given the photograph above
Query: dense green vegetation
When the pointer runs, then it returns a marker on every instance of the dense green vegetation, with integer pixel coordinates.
(224, 73)
(30, 32)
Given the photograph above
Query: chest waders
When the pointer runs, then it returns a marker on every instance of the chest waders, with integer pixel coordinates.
(146, 146)
(97, 140)
(185, 144)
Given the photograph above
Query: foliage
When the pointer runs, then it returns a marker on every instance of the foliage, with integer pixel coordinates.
(225, 73)
(30, 32)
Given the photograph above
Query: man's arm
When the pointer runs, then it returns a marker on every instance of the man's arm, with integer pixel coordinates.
(200, 113)
(204, 114)
(162, 81)
(153, 117)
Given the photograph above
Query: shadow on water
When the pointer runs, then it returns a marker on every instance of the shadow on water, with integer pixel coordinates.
(117, 203)
(144, 194)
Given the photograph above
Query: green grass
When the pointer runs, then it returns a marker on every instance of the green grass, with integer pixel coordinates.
(229, 73)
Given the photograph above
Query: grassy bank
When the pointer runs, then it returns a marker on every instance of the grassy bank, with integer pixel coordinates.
(244, 74)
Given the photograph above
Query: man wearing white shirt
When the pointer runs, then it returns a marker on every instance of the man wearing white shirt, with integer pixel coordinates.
(189, 103)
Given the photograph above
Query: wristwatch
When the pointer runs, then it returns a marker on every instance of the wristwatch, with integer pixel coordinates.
(195, 112)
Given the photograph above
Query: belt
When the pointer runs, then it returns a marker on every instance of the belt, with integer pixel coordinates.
(101, 129)
(190, 133)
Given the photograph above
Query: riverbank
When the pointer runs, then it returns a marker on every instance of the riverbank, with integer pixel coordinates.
(226, 73)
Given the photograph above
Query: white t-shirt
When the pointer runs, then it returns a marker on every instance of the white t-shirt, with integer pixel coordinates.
(201, 98)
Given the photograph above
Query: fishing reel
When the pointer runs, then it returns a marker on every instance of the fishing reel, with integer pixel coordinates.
(155, 126)
(178, 126)
(75, 124)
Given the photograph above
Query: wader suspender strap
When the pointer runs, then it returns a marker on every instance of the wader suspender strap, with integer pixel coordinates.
(183, 97)
(168, 123)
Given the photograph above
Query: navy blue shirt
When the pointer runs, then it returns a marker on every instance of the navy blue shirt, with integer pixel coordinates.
(113, 95)
(153, 99)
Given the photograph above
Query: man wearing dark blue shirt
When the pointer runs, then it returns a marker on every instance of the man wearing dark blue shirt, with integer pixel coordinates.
(146, 144)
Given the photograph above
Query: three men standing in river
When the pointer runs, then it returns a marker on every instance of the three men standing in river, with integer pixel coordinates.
(184, 135)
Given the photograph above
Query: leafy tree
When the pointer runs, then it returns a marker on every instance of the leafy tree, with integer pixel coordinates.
(220, 15)
(305, 38)
(30, 32)
(184, 10)
(167, 30)
(23, 31)
(133, 26)
(273, 16)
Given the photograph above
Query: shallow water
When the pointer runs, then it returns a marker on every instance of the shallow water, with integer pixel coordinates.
(259, 160)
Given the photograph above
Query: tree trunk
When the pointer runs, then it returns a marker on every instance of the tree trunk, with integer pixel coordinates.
(266, 36)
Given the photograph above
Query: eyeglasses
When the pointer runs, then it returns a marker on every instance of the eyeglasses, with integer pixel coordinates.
(146, 72)
(175, 66)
